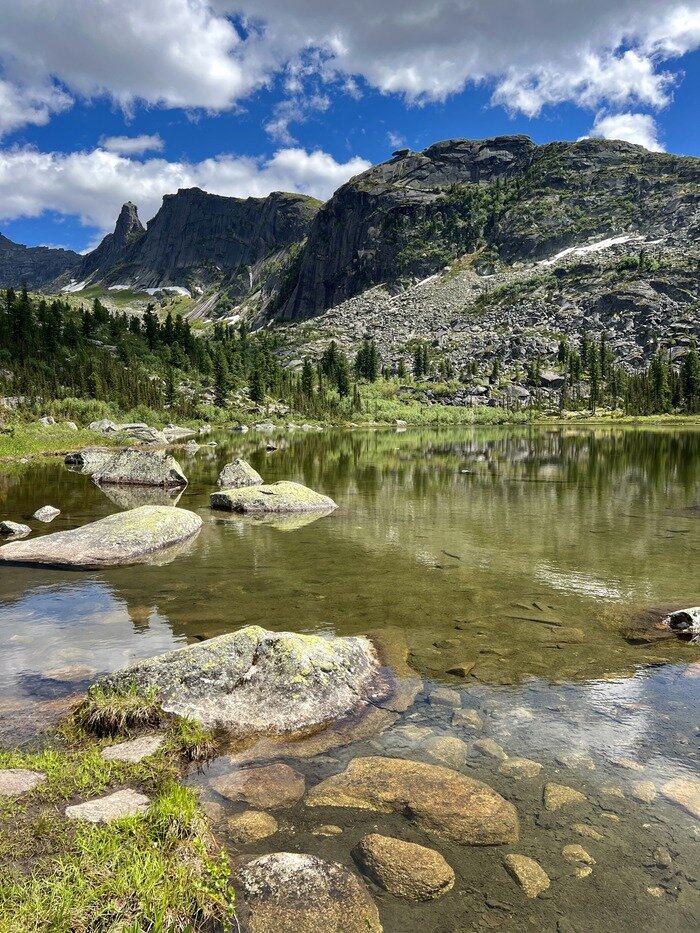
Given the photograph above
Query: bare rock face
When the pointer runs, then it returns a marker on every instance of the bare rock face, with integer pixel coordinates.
(125, 538)
(238, 474)
(35, 266)
(256, 682)
(276, 497)
(404, 869)
(134, 467)
(286, 892)
(438, 799)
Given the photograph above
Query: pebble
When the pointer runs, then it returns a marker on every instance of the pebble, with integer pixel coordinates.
(655, 891)
(327, 829)
(467, 719)
(444, 696)
(583, 829)
(528, 873)
(644, 791)
(520, 768)
(628, 764)
(463, 669)
(577, 760)
(489, 748)
(446, 750)
(576, 853)
(662, 857)
(559, 795)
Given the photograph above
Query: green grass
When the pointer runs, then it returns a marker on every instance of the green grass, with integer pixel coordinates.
(23, 440)
(116, 712)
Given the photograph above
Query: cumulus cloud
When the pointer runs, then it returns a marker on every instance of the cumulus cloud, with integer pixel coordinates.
(637, 128)
(93, 185)
(20, 106)
(132, 145)
(212, 53)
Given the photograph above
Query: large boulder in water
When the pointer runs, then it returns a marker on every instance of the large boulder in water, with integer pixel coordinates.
(89, 459)
(125, 538)
(438, 799)
(133, 467)
(238, 474)
(288, 892)
(276, 497)
(257, 682)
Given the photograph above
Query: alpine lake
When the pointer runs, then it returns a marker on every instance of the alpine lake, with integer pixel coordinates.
(527, 561)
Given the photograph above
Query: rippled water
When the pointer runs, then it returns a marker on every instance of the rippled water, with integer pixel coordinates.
(528, 553)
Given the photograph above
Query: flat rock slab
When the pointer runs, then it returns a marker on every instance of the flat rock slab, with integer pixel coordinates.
(14, 781)
(256, 682)
(275, 497)
(267, 787)
(287, 892)
(125, 538)
(438, 799)
(404, 869)
(238, 475)
(113, 807)
(134, 467)
(135, 750)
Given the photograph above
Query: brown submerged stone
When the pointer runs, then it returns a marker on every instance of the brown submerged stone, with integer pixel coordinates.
(404, 869)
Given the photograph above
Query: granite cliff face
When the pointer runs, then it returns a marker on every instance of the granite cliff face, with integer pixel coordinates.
(505, 199)
(33, 266)
(114, 246)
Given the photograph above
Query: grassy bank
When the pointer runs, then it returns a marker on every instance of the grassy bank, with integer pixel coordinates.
(25, 440)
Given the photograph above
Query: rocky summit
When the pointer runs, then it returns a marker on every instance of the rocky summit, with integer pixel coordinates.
(257, 682)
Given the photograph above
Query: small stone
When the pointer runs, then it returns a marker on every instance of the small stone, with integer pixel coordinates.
(583, 829)
(655, 891)
(612, 790)
(613, 817)
(577, 761)
(583, 871)
(14, 530)
(628, 764)
(559, 795)
(462, 670)
(528, 873)
(238, 474)
(447, 750)
(14, 781)
(467, 719)
(327, 829)
(444, 696)
(662, 857)
(135, 750)
(266, 787)
(576, 853)
(685, 792)
(46, 513)
(251, 826)
(489, 749)
(113, 807)
(520, 768)
(644, 791)
(404, 869)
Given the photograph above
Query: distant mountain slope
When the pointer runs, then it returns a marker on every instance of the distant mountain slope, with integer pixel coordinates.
(407, 218)
(33, 266)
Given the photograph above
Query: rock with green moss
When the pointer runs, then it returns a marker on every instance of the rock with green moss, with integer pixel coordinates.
(276, 497)
(140, 535)
(134, 467)
(256, 682)
(238, 474)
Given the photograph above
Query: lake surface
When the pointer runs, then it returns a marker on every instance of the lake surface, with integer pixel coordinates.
(529, 553)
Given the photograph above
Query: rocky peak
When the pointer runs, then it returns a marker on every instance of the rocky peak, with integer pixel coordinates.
(128, 227)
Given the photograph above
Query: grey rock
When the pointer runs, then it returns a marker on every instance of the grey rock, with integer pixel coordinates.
(289, 892)
(238, 474)
(46, 513)
(35, 266)
(15, 781)
(112, 807)
(134, 750)
(275, 497)
(141, 468)
(10, 529)
(47, 421)
(253, 681)
(139, 535)
(90, 459)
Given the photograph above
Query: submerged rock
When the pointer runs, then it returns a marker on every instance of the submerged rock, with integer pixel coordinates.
(528, 873)
(112, 807)
(404, 869)
(287, 892)
(275, 497)
(238, 474)
(438, 799)
(14, 530)
(124, 538)
(685, 792)
(267, 787)
(258, 682)
(251, 826)
(141, 468)
(685, 622)
(557, 796)
(46, 513)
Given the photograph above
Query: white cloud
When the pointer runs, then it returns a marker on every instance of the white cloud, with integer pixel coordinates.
(395, 140)
(637, 128)
(93, 185)
(20, 106)
(190, 53)
(132, 145)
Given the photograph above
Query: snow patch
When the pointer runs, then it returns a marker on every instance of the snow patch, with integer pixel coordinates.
(119, 288)
(176, 289)
(74, 286)
(590, 248)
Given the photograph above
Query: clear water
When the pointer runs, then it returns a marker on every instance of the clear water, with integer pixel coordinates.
(527, 552)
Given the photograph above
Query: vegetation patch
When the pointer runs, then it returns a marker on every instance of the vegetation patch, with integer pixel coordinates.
(114, 712)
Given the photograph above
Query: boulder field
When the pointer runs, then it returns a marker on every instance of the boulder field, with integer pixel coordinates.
(124, 538)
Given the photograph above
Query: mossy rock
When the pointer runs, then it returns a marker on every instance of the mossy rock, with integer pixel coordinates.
(284, 496)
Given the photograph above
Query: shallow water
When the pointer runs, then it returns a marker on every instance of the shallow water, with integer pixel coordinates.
(526, 552)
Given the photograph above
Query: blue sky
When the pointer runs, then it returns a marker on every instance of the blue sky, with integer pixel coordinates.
(103, 102)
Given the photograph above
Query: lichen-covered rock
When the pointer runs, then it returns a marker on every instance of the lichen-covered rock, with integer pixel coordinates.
(258, 682)
(404, 869)
(238, 474)
(141, 468)
(125, 538)
(528, 873)
(10, 529)
(438, 799)
(89, 459)
(267, 787)
(275, 497)
(286, 892)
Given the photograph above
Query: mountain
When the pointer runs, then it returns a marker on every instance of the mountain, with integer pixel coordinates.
(33, 266)
(505, 198)
(114, 246)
